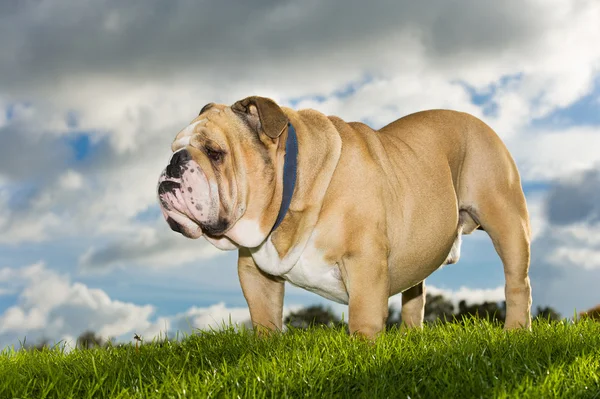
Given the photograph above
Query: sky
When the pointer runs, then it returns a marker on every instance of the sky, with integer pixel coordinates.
(93, 92)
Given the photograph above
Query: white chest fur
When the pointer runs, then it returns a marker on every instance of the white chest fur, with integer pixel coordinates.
(303, 267)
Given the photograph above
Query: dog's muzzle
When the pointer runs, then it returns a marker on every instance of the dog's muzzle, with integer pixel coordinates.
(184, 195)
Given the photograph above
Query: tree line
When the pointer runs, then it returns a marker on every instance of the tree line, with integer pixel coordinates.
(438, 309)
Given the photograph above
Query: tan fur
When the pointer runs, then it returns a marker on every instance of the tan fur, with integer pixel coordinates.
(385, 207)
(267, 312)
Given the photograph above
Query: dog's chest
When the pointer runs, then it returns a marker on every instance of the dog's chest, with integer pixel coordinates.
(307, 270)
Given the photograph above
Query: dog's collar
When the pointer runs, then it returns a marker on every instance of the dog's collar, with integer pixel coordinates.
(290, 169)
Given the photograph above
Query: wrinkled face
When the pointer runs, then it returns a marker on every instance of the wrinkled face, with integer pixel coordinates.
(224, 175)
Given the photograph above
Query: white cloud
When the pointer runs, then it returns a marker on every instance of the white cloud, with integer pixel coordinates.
(588, 258)
(565, 262)
(26, 228)
(547, 155)
(211, 317)
(155, 246)
(575, 246)
(383, 100)
(470, 295)
(536, 208)
(51, 306)
(71, 180)
(5, 274)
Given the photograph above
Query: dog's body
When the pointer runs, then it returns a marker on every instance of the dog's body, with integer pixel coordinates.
(373, 213)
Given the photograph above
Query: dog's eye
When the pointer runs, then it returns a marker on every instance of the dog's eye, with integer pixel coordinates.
(214, 155)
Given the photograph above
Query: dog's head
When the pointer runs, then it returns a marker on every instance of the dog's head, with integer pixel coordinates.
(224, 177)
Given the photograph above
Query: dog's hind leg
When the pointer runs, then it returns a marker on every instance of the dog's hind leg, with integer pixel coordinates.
(413, 306)
(489, 189)
(506, 221)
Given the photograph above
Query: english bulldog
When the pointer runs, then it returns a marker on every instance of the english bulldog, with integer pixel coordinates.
(345, 211)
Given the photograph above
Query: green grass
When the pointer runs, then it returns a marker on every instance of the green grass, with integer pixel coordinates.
(477, 360)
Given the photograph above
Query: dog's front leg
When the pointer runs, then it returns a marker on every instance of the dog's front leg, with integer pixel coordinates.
(263, 292)
(366, 277)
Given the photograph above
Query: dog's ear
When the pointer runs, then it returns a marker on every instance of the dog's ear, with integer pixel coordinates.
(206, 108)
(262, 115)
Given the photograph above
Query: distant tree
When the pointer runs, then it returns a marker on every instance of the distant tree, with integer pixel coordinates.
(547, 313)
(315, 315)
(438, 308)
(487, 310)
(43, 343)
(89, 340)
(593, 313)
(110, 341)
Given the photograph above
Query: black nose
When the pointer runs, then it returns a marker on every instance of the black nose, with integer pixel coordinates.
(175, 167)
(180, 157)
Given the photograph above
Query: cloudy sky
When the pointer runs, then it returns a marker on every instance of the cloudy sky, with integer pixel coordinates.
(93, 92)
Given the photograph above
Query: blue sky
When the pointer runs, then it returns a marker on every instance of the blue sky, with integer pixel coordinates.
(87, 127)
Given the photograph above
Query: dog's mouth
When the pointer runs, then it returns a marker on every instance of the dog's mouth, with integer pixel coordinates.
(188, 202)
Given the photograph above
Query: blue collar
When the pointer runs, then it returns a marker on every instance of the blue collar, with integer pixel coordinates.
(290, 168)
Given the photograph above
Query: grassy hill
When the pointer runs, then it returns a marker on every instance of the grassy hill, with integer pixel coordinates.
(477, 359)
